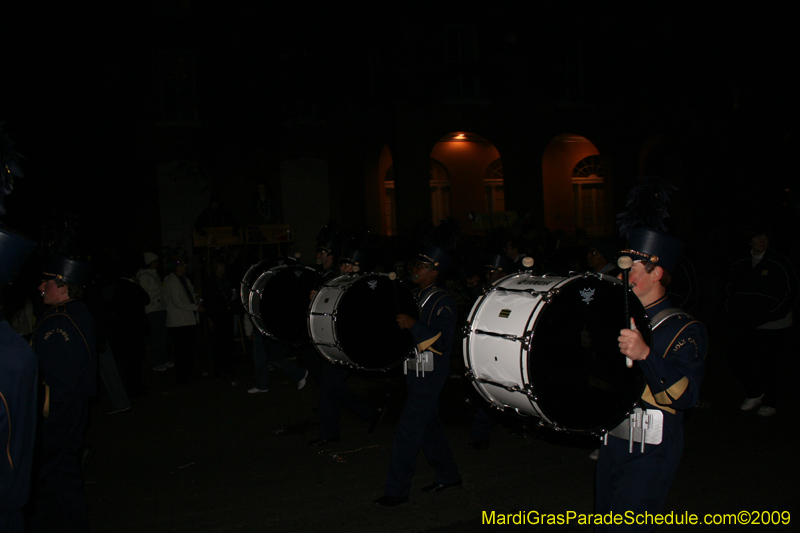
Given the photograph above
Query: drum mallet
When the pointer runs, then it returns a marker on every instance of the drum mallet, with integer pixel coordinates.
(527, 262)
(625, 263)
(392, 277)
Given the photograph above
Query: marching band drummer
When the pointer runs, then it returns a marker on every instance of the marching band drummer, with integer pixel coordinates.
(418, 426)
(334, 393)
(629, 479)
(18, 392)
(497, 266)
(65, 343)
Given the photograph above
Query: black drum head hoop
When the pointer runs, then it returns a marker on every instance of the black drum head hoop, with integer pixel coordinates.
(579, 376)
(366, 322)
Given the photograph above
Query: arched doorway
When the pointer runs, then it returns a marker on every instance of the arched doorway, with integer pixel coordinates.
(380, 208)
(466, 177)
(386, 185)
(574, 184)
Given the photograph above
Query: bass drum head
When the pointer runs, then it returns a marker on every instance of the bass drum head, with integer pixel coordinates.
(578, 374)
(283, 303)
(366, 322)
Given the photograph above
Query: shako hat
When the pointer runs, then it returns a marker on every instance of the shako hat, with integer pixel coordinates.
(656, 247)
(499, 262)
(66, 270)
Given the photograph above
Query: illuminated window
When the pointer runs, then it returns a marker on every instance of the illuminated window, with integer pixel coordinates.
(440, 191)
(390, 211)
(493, 184)
(587, 195)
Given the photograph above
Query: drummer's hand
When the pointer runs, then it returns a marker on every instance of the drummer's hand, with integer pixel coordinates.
(405, 321)
(311, 296)
(631, 343)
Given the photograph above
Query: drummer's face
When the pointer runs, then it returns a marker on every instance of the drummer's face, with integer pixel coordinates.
(325, 259)
(494, 274)
(422, 274)
(344, 268)
(642, 281)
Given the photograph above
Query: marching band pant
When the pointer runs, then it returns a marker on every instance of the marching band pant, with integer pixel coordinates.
(419, 428)
(637, 482)
(334, 395)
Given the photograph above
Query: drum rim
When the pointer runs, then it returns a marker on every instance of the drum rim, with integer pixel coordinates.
(256, 317)
(528, 389)
(341, 288)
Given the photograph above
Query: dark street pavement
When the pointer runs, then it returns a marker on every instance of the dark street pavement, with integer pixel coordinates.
(206, 458)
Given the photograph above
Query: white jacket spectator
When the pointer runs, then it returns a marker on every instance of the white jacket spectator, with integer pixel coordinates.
(181, 311)
(151, 282)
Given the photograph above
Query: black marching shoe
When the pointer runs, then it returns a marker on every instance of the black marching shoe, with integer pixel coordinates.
(441, 487)
(323, 441)
(387, 502)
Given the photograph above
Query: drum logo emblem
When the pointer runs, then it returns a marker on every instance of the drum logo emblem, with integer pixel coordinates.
(587, 295)
(372, 284)
(505, 313)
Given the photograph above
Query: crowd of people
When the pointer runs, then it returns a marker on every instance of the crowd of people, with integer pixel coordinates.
(134, 322)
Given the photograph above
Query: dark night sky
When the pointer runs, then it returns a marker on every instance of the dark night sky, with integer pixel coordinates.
(77, 82)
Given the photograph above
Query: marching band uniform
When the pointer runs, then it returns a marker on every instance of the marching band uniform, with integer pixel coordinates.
(419, 426)
(334, 392)
(639, 481)
(65, 343)
(760, 297)
(18, 393)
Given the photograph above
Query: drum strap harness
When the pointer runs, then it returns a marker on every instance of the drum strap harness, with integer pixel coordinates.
(422, 361)
(645, 426)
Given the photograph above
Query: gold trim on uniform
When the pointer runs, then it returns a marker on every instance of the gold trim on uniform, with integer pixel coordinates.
(431, 261)
(652, 258)
(656, 302)
(424, 345)
(647, 396)
(8, 444)
(677, 389)
(46, 407)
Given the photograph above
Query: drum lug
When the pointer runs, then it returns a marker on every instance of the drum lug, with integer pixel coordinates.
(549, 295)
(466, 329)
(526, 339)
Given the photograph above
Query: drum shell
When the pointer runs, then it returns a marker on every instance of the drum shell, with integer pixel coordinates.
(322, 317)
(352, 321)
(278, 302)
(524, 350)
